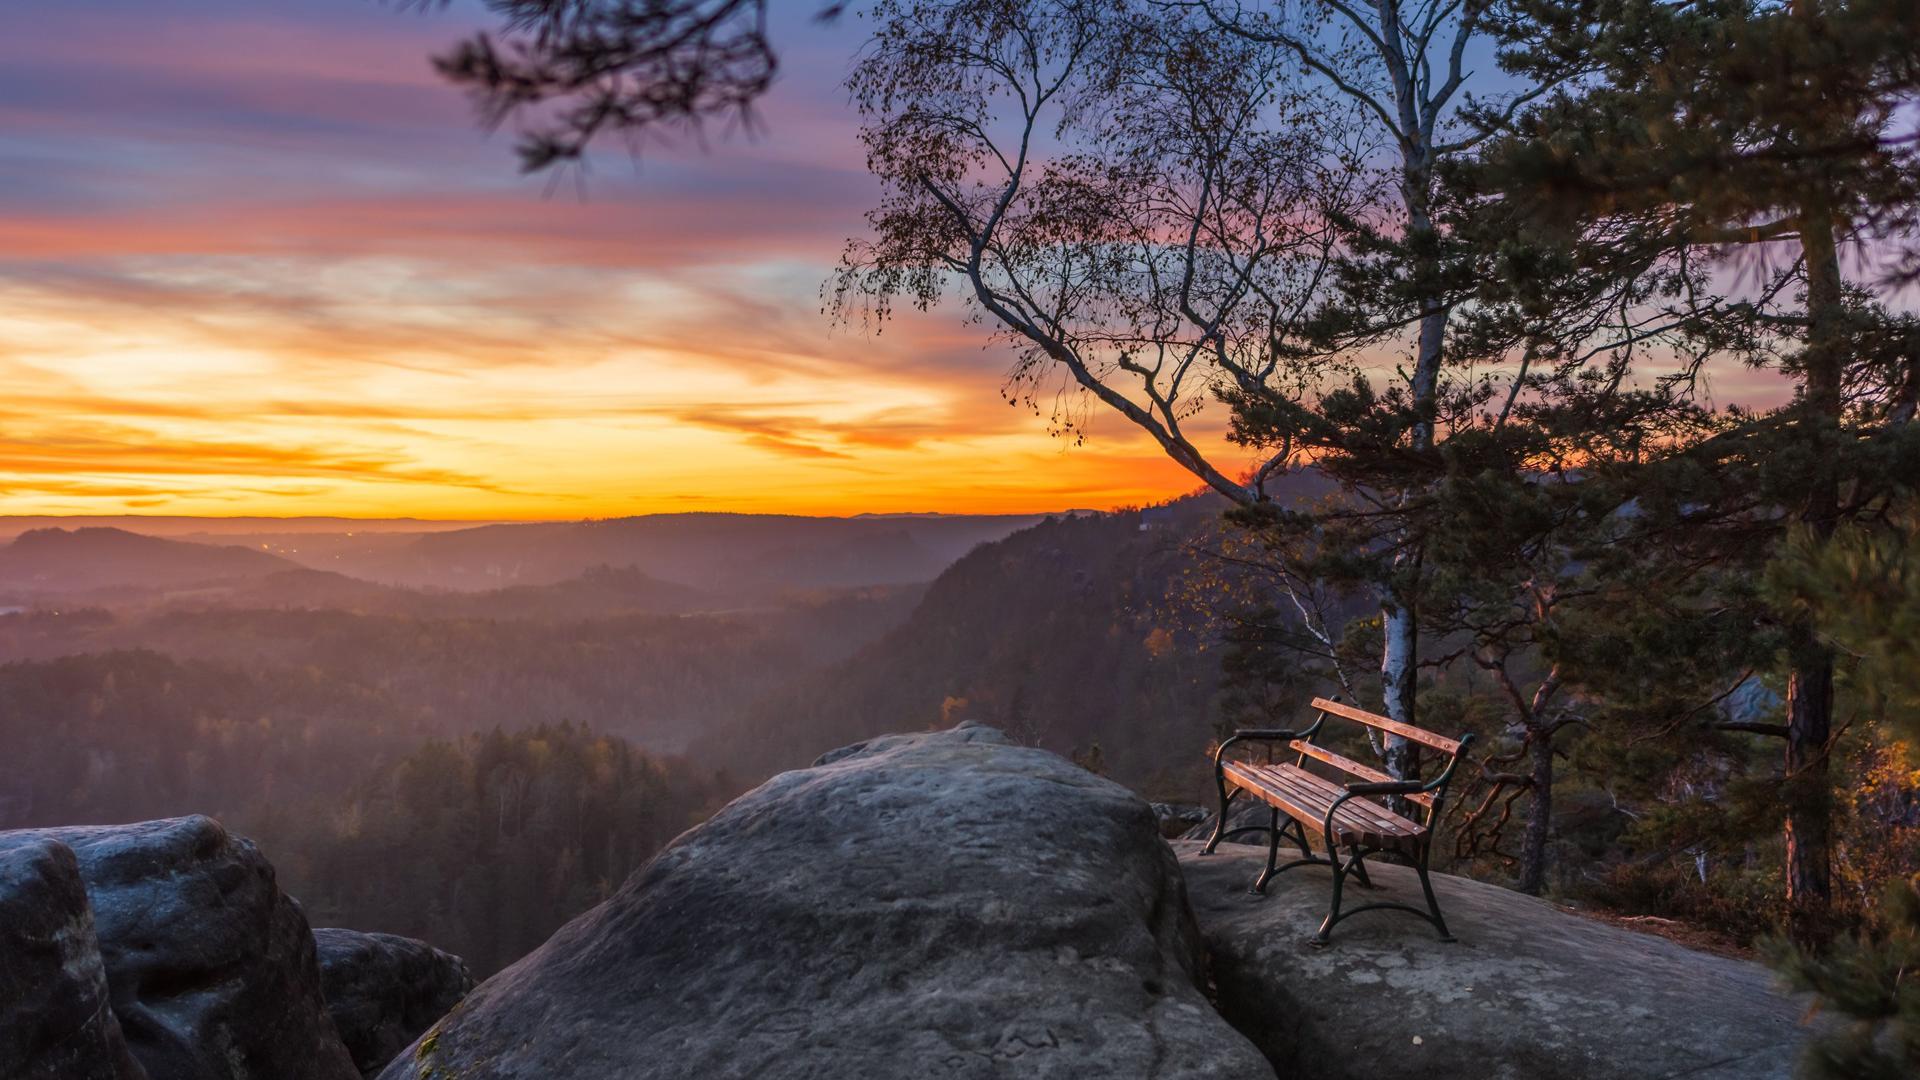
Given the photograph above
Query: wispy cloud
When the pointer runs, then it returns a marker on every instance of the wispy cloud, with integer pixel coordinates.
(259, 256)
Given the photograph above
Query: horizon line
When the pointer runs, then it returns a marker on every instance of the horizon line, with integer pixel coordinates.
(5, 517)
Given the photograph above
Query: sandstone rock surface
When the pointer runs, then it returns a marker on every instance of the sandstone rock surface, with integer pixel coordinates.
(1530, 992)
(383, 990)
(210, 968)
(54, 1019)
(938, 905)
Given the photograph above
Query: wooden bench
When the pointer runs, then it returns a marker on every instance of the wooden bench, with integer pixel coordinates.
(1352, 814)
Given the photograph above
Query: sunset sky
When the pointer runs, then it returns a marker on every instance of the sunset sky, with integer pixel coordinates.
(257, 259)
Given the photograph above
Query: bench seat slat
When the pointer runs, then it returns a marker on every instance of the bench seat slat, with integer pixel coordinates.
(1419, 735)
(1354, 768)
(1307, 797)
(1325, 791)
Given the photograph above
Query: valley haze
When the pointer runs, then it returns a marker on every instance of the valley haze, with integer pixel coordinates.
(300, 679)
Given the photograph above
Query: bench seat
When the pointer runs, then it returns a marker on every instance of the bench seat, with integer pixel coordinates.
(1308, 797)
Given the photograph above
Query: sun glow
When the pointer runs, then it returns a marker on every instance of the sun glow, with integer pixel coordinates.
(326, 295)
(186, 392)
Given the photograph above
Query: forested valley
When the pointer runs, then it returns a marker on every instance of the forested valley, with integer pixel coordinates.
(475, 768)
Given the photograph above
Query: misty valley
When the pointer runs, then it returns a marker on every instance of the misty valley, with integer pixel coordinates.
(472, 735)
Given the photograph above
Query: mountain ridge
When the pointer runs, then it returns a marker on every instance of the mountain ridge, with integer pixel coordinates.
(93, 557)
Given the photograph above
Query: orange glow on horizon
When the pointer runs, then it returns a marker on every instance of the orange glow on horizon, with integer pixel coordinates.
(220, 386)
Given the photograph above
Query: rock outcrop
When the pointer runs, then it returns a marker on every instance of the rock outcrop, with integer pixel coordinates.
(1178, 819)
(1246, 814)
(383, 991)
(54, 1020)
(942, 905)
(210, 968)
(1528, 993)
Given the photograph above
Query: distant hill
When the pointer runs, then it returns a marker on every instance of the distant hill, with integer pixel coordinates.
(69, 561)
(657, 564)
(1067, 635)
(601, 592)
(1056, 634)
(318, 550)
(745, 557)
(231, 530)
(301, 588)
(411, 664)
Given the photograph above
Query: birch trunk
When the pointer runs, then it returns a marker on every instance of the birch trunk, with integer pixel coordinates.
(1398, 662)
(1399, 659)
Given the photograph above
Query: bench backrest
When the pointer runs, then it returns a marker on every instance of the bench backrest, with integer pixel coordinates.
(1441, 743)
(1328, 707)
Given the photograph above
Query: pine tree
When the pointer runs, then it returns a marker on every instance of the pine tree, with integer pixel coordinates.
(1861, 588)
(1764, 131)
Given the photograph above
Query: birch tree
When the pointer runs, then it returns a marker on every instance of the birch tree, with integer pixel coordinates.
(1406, 66)
(1109, 189)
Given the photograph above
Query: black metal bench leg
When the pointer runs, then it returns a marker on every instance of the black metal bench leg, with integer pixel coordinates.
(1333, 910)
(1300, 838)
(1433, 905)
(1273, 855)
(1220, 823)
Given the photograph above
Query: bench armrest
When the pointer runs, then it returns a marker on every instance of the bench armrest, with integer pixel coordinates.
(1269, 734)
(1387, 787)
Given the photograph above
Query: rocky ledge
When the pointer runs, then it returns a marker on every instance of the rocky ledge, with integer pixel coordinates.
(165, 950)
(1528, 992)
(55, 1023)
(942, 905)
(382, 990)
(210, 967)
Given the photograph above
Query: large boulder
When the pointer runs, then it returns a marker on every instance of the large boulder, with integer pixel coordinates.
(210, 967)
(54, 1019)
(383, 990)
(944, 904)
(1529, 992)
